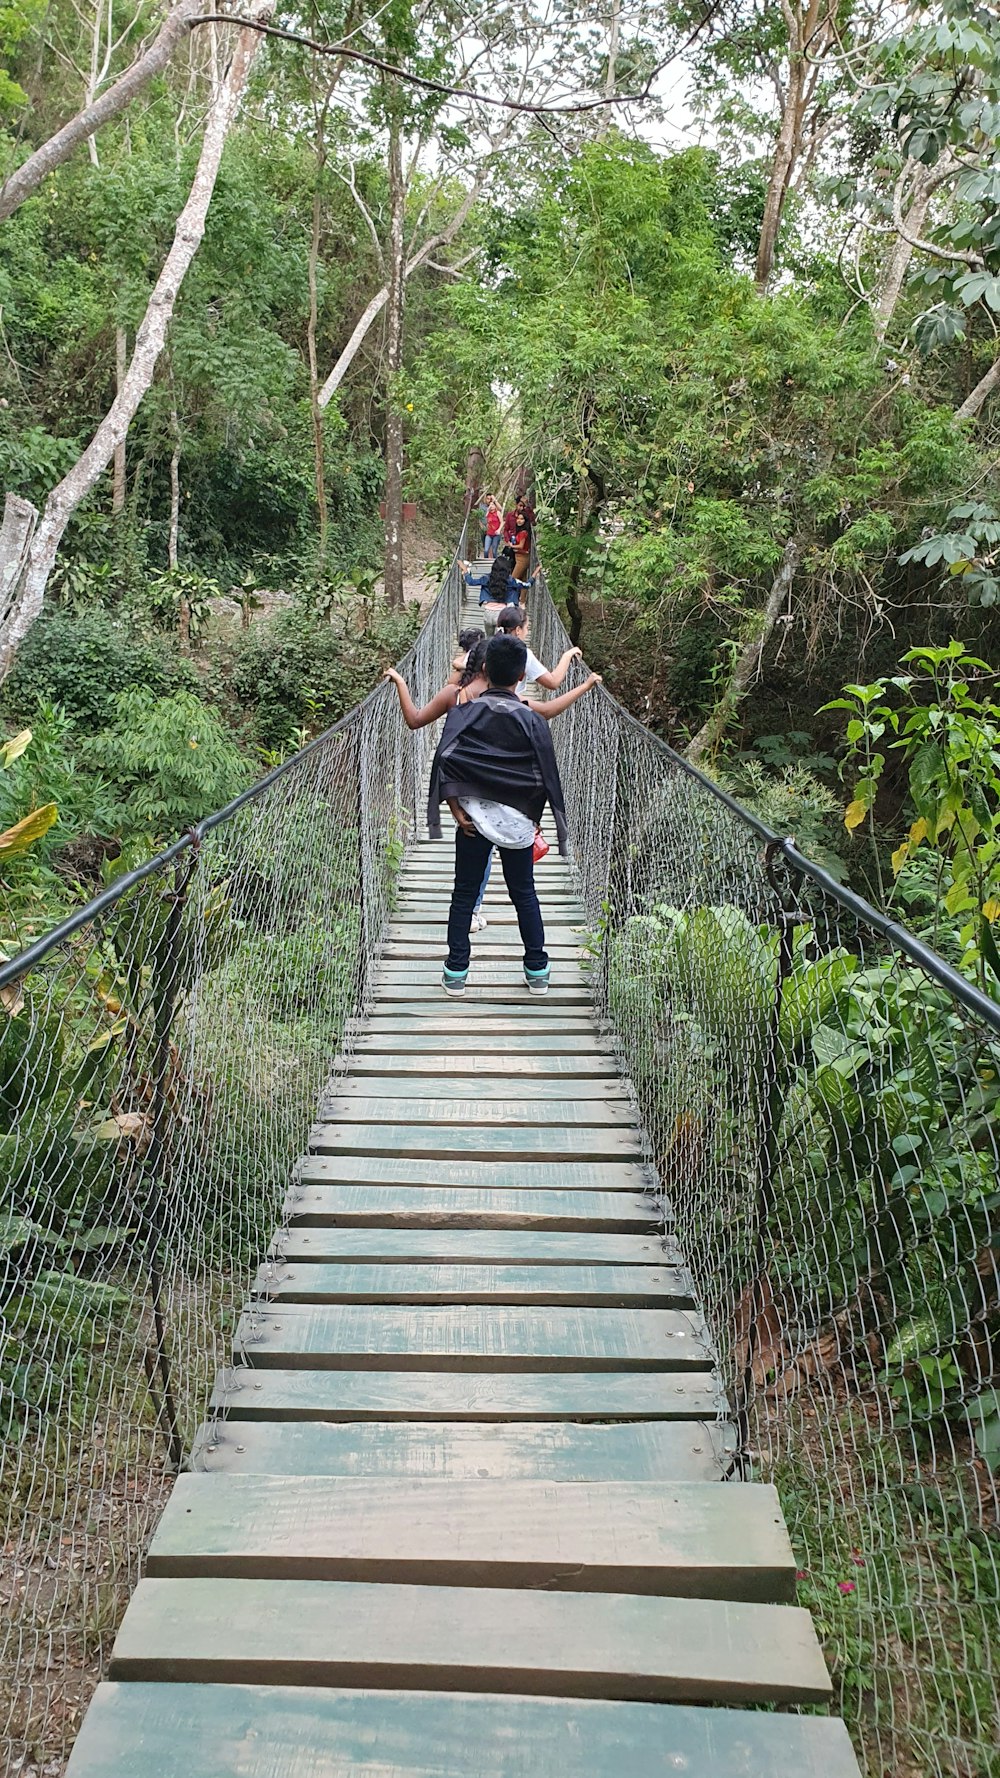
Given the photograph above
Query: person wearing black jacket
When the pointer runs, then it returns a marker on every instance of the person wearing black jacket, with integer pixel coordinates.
(495, 767)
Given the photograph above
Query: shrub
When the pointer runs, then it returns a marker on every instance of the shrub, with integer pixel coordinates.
(293, 671)
(168, 761)
(82, 661)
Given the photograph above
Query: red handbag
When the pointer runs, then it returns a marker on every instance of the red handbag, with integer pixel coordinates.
(539, 845)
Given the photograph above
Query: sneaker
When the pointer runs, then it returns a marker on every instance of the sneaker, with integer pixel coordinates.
(453, 980)
(478, 923)
(537, 980)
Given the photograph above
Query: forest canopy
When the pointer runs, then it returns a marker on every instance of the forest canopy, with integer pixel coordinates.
(724, 279)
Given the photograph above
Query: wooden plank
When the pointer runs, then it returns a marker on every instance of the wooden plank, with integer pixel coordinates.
(145, 1730)
(310, 1245)
(483, 992)
(470, 1337)
(246, 1394)
(499, 1175)
(570, 1645)
(383, 1078)
(636, 1287)
(689, 1540)
(514, 1024)
(557, 1451)
(488, 946)
(474, 1113)
(426, 1207)
(520, 1049)
(528, 1142)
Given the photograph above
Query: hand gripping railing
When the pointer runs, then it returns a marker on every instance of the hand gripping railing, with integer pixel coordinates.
(820, 1096)
(162, 1054)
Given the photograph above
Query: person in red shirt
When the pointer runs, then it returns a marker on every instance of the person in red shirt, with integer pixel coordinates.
(492, 523)
(509, 526)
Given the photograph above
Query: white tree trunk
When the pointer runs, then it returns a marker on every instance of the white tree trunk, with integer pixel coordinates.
(149, 342)
(19, 521)
(118, 468)
(381, 297)
(749, 658)
(973, 402)
(393, 366)
(28, 177)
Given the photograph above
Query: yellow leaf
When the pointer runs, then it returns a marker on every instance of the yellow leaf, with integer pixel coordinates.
(919, 831)
(14, 748)
(991, 909)
(899, 857)
(855, 814)
(24, 833)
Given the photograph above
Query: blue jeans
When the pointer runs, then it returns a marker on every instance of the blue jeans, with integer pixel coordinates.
(482, 886)
(471, 854)
(491, 545)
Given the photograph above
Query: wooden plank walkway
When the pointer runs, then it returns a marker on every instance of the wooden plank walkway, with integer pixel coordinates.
(463, 1513)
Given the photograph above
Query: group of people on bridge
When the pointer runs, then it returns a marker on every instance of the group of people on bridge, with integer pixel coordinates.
(495, 767)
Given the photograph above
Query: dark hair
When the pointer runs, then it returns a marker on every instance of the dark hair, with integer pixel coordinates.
(511, 618)
(498, 585)
(468, 638)
(506, 659)
(475, 664)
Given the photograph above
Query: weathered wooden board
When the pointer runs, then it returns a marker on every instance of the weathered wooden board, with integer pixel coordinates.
(430, 1207)
(477, 1112)
(452, 1395)
(634, 1287)
(386, 1077)
(503, 1175)
(523, 1247)
(553, 1644)
(509, 1025)
(557, 1451)
(478, 1336)
(689, 1540)
(146, 1730)
(482, 990)
(520, 1048)
(528, 1142)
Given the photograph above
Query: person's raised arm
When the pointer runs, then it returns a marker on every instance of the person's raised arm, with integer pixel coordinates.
(553, 706)
(440, 704)
(555, 675)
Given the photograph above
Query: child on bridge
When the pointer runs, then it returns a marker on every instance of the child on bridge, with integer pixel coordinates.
(496, 769)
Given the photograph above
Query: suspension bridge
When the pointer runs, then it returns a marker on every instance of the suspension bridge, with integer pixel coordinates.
(560, 1362)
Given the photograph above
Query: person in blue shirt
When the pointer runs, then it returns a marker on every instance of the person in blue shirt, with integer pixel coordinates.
(498, 586)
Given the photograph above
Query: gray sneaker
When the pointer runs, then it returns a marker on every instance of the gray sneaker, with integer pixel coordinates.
(537, 980)
(453, 980)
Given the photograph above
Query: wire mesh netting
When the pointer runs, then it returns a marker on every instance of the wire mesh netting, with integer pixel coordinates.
(820, 1098)
(160, 1064)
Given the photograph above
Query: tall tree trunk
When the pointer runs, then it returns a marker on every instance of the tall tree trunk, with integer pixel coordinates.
(901, 252)
(393, 367)
(175, 486)
(314, 406)
(149, 342)
(973, 402)
(611, 76)
(19, 521)
(28, 177)
(118, 466)
(809, 27)
(588, 511)
(748, 660)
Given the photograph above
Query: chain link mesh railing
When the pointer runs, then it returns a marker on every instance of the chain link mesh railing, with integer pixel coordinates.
(820, 1095)
(162, 1055)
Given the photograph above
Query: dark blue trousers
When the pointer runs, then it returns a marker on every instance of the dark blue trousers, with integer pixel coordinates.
(471, 853)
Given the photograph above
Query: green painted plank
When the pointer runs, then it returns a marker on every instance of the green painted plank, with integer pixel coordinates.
(246, 1394)
(528, 1142)
(499, 1175)
(511, 1025)
(483, 1111)
(484, 992)
(523, 1247)
(146, 1730)
(557, 1451)
(569, 1645)
(473, 1337)
(427, 1207)
(689, 1540)
(635, 1287)
(418, 1078)
(521, 1049)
